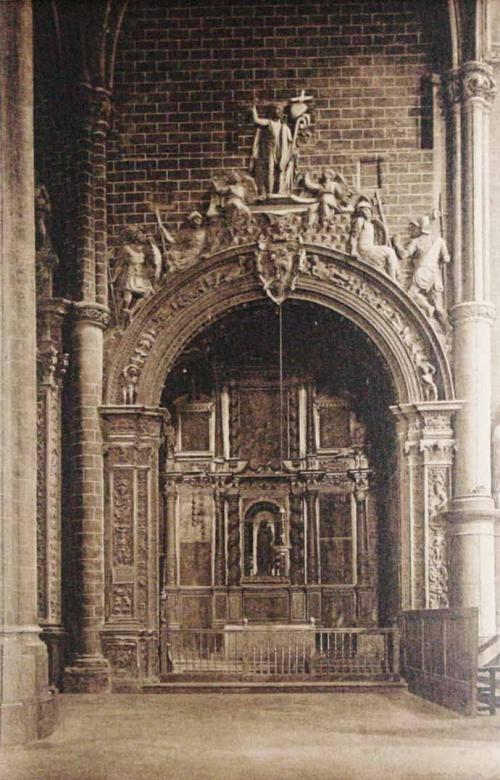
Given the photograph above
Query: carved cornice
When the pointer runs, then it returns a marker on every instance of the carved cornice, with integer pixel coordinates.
(92, 313)
(471, 311)
(474, 81)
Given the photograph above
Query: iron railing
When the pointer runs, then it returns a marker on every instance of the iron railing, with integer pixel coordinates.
(302, 652)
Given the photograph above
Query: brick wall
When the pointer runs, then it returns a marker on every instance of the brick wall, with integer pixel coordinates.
(187, 73)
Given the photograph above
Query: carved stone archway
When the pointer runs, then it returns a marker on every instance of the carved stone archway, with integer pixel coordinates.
(141, 358)
(191, 300)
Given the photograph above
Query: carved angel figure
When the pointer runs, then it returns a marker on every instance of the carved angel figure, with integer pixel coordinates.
(333, 194)
(137, 269)
(363, 240)
(186, 248)
(230, 196)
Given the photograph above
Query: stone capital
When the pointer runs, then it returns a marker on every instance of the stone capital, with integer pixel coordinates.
(473, 81)
(425, 429)
(91, 313)
(471, 311)
(124, 424)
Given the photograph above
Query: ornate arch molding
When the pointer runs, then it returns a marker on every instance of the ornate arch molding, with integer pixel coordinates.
(197, 297)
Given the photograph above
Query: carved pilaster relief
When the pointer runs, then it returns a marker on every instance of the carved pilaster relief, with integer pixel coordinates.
(437, 499)
(426, 436)
(233, 540)
(296, 540)
(123, 518)
(132, 440)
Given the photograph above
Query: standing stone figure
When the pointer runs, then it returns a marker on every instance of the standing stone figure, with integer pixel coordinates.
(272, 163)
(138, 268)
(363, 243)
(429, 254)
(43, 216)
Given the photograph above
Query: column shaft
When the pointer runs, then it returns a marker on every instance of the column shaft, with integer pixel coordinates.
(26, 709)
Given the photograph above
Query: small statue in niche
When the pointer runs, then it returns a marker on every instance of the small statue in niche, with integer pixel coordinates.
(137, 269)
(46, 259)
(427, 372)
(43, 217)
(363, 240)
(333, 194)
(188, 246)
(429, 254)
(230, 196)
(265, 546)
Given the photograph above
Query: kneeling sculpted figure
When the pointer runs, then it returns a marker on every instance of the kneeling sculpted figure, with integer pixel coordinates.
(186, 248)
(363, 244)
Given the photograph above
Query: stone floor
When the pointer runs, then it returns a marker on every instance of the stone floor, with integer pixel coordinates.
(258, 737)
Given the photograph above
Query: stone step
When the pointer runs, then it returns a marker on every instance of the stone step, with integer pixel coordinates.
(240, 686)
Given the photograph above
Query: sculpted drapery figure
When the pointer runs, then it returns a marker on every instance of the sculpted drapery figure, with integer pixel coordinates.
(333, 196)
(137, 269)
(429, 254)
(363, 240)
(272, 153)
(186, 248)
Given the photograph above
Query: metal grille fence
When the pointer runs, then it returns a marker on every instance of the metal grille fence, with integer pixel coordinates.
(352, 653)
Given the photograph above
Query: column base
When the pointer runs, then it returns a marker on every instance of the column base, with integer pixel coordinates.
(54, 636)
(89, 674)
(28, 709)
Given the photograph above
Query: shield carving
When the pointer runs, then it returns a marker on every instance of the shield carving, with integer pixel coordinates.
(278, 265)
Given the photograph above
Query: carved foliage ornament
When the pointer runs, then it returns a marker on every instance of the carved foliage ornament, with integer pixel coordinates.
(474, 80)
(93, 313)
(437, 499)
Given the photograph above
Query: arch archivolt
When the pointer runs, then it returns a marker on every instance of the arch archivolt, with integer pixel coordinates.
(186, 304)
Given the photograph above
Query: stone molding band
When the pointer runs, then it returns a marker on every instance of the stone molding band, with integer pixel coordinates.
(472, 311)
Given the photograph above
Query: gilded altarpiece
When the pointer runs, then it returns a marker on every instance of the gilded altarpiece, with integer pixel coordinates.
(132, 439)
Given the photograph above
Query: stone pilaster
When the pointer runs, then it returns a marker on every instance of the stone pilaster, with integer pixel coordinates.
(312, 534)
(89, 671)
(27, 709)
(426, 448)
(52, 363)
(132, 438)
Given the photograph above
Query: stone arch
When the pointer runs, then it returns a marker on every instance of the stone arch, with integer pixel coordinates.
(197, 297)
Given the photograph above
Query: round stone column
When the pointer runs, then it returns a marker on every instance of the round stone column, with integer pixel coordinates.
(471, 516)
(89, 671)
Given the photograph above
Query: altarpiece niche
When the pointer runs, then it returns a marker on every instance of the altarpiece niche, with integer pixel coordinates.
(271, 510)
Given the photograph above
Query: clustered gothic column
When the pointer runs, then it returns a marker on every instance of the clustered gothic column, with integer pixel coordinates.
(472, 518)
(27, 710)
(426, 448)
(52, 364)
(131, 539)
